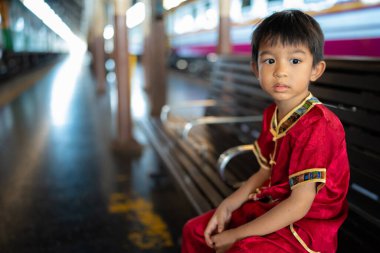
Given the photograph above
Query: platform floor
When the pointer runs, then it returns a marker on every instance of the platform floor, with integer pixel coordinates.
(62, 189)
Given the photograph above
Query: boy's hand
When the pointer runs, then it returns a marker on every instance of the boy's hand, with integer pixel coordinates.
(223, 241)
(217, 223)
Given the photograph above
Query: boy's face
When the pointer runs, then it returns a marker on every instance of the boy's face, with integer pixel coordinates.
(284, 71)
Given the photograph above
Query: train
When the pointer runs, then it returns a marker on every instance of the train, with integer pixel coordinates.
(351, 27)
(25, 41)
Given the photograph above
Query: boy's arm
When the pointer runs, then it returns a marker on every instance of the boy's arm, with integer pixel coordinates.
(236, 199)
(222, 214)
(285, 213)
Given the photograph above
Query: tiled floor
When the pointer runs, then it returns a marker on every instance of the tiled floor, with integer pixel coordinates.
(61, 187)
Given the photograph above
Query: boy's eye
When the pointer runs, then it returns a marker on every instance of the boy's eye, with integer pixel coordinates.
(269, 61)
(295, 61)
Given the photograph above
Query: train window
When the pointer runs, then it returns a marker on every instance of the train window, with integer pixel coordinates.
(207, 5)
(275, 5)
(246, 6)
(345, 1)
(275, 2)
(194, 12)
(246, 3)
(312, 1)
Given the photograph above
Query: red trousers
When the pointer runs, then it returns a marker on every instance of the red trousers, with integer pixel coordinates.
(281, 241)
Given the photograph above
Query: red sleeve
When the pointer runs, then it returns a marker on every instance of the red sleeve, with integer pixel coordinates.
(310, 154)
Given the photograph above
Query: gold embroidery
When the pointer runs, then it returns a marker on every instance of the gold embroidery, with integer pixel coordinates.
(263, 162)
(257, 147)
(280, 129)
(305, 171)
(317, 175)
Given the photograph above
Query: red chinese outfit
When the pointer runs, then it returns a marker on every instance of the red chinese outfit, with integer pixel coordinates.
(308, 145)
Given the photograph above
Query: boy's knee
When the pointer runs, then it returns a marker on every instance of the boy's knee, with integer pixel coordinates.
(189, 228)
(193, 228)
(186, 229)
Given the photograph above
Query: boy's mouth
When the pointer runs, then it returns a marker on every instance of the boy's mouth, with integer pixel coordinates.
(280, 87)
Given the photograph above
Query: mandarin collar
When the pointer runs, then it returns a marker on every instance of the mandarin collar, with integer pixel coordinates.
(279, 129)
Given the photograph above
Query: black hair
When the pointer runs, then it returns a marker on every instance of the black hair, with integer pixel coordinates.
(289, 27)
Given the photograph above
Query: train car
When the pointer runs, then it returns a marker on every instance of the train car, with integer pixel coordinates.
(25, 41)
(351, 27)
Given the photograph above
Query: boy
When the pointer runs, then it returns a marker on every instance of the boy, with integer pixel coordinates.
(296, 202)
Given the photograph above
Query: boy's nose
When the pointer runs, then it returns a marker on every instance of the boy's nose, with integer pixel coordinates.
(279, 74)
(280, 71)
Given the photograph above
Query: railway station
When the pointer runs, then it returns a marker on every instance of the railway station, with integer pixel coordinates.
(121, 120)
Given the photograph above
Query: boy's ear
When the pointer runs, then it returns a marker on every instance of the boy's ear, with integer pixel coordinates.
(317, 71)
(255, 69)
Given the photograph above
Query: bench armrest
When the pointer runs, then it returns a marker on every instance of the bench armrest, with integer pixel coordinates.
(227, 156)
(167, 109)
(212, 120)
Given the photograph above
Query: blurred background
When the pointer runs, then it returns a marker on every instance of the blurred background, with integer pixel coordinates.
(78, 79)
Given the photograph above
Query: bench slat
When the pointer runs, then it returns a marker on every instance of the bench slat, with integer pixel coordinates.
(363, 140)
(363, 99)
(153, 130)
(360, 119)
(364, 81)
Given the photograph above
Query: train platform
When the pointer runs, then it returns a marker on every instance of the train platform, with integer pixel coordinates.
(66, 182)
(62, 189)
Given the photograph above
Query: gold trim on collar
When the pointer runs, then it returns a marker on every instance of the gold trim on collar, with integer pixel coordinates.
(263, 162)
(279, 130)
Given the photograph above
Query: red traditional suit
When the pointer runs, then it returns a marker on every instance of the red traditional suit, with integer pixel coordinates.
(308, 145)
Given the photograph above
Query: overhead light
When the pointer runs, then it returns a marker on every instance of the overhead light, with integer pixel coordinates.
(370, 1)
(108, 32)
(135, 15)
(170, 4)
(43, 11)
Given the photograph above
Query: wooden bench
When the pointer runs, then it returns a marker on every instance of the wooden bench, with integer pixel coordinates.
(356, 85)
(192, 161)
(351, 88)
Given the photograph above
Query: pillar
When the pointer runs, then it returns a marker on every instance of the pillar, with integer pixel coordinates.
(146, 47)
(125, 142)
(98, 46)
(224, 40)
(155, 62)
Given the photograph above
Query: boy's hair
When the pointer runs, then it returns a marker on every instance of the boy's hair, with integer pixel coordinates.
(289, 27)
